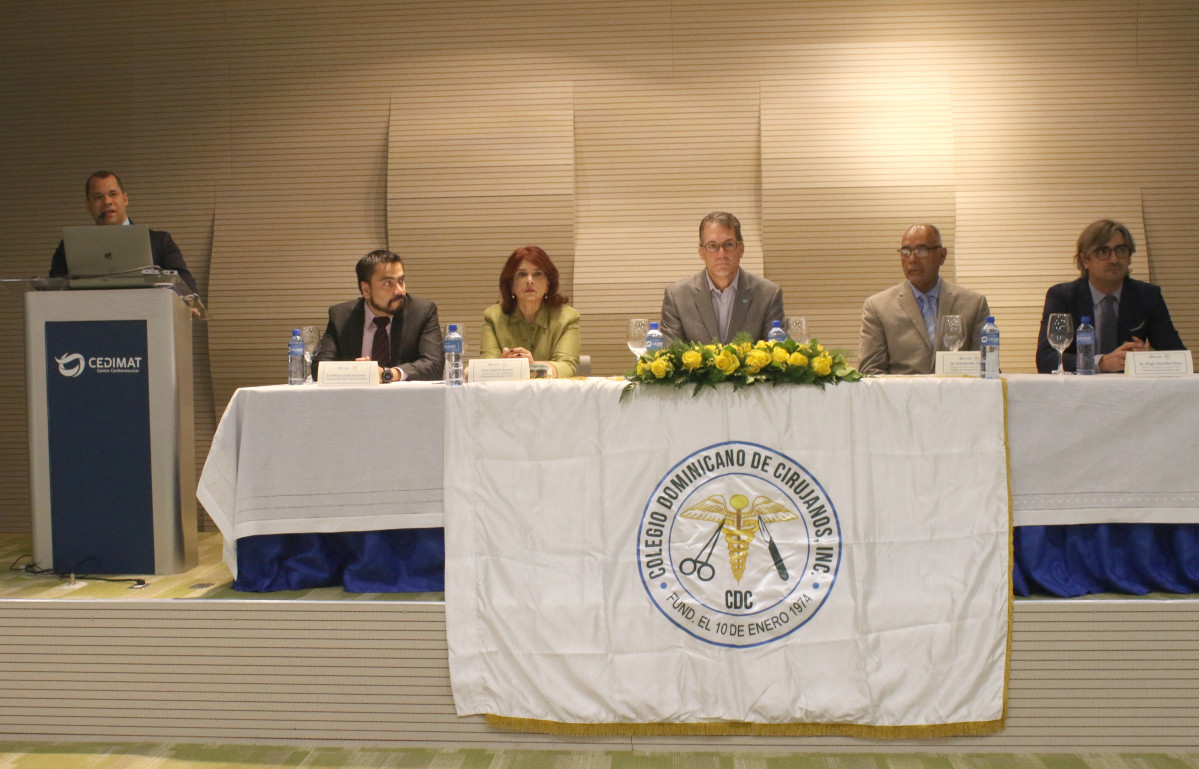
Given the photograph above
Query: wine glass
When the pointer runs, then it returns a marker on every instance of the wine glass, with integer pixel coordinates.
(797, 329)
(312, 337)
(1060, 334)
(953, 333)
(637, 329)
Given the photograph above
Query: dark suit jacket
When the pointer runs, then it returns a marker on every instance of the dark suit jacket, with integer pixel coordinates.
(894, 339)
(416, 344)
(162, 246)
(687, 312)
(1142, 313)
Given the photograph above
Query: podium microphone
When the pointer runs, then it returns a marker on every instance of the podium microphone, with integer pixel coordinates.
(100, 218)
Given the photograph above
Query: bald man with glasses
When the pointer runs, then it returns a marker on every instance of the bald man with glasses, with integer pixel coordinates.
(721, 300)
(901, 328)
(1128, 314)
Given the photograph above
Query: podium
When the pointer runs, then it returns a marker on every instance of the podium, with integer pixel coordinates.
(111, 443)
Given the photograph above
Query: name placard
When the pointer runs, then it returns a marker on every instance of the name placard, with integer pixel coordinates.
(497, 369)
(348, 373)
(957, 363)
(1159, 363)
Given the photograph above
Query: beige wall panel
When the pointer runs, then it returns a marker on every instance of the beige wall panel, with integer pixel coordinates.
(1014, 245)
(1172, 227)
(308, 111)
(1103, 126)
(652, 158)
(605, 339)
(480, 41)
(831, 248)
(881, 123)
(473, 174)
(818, 38)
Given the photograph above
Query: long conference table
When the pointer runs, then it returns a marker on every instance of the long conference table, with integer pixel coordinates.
(314, 486)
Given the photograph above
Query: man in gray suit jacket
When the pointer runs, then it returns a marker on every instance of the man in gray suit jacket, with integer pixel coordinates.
(721, 300)
(901, 327)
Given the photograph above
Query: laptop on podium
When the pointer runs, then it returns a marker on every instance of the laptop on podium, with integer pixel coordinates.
(110, 257)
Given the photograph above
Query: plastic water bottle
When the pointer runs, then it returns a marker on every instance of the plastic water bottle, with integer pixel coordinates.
(653, 339)
(776, 333)
(453, 355)
(1084, 340)
(989, 344)
(295, 359)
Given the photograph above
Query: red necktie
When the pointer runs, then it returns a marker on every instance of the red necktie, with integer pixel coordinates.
(381, 344)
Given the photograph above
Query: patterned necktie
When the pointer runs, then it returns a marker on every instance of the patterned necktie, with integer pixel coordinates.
(930, 316)
(1107, 324)
(381, 344)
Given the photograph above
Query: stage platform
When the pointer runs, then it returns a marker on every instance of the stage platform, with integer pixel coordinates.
(187, 659)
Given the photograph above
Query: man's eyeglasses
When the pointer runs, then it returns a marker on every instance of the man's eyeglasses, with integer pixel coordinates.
(728, 246)
(1105, 252)
(919, 251)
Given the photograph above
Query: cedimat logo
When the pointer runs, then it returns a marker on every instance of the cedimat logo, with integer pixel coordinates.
(739, 545)
(70, 365)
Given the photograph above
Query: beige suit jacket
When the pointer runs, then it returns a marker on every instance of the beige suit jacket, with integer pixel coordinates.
(894, 338)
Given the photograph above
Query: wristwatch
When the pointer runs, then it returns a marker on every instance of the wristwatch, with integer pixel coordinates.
(387, 375)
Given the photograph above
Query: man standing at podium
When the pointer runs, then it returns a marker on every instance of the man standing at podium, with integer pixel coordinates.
(106, 202)
(386, 324)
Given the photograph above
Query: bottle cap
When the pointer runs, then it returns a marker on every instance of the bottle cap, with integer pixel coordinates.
(653, 326)
(452, 328)
(776, 324)
(1086, 319)
(295, 332)
(990, 319)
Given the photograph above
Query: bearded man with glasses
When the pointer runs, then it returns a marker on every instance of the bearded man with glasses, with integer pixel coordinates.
(1128, 314)
(721, 300)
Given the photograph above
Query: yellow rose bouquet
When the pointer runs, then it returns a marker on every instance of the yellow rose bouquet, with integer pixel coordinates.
(743, 362)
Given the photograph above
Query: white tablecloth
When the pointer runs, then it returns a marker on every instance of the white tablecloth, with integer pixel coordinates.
(310, 459)
(289, 459)
(1103, 449)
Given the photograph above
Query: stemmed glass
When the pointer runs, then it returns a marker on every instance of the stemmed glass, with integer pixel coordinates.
(953, 333)
(312, 337)
(1060, 334)
(797, 330)
(637, 330)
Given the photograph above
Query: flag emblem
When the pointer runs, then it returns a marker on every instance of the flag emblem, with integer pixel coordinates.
(739, 545)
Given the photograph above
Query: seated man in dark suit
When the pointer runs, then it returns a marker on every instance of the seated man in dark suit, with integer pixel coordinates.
(106, 201)
(721, 300)
(1128, 314)
(387, 324)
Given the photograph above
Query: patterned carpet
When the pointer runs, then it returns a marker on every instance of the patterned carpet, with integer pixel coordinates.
(181, 756)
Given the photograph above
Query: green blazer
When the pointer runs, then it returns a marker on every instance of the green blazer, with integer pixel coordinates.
(553, 337)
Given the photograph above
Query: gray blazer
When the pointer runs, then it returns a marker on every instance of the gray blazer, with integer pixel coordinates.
(894, 338)
(687, 312)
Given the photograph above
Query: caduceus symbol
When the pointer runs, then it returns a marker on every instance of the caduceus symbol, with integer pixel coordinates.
(740, 526)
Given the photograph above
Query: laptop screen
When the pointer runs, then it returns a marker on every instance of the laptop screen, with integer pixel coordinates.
(94, 251)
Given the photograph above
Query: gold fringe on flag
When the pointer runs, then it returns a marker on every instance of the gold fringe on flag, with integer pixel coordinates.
(740, 728)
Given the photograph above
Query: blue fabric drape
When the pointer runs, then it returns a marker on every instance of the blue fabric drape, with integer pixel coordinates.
(1129, 558)
(391, 561)
(1063, 561)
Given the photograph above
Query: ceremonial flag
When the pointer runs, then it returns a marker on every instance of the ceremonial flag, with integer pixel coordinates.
(834, 557)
